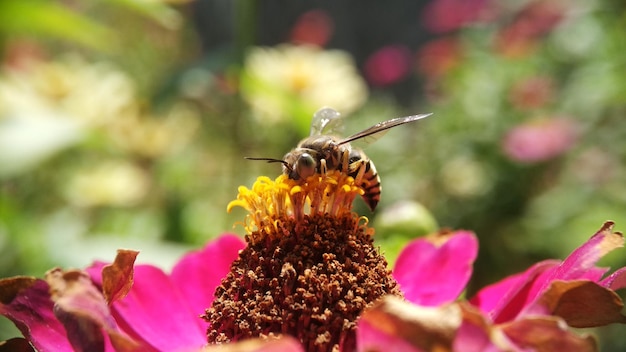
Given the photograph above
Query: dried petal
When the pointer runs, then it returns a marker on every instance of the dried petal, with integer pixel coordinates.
(17, 344)
(547, 334)
(81, 308)
(280, 344)
(394, 324)
(582, 303)
(117, 278)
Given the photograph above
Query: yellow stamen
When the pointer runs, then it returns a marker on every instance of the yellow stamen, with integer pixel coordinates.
(269, 201)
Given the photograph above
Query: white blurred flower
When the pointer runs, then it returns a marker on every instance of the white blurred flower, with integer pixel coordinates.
(465, 178)
(47, 106)
(155, 136)
(91, 94)
(114, 183)
(286, 80)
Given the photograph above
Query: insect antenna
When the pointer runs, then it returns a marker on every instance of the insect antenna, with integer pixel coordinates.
(271, 160)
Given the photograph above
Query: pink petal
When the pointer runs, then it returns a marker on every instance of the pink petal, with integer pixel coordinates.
(431, 275)
(156, 312)
(615, 281)
(580, 264)
(26, 302)
(163, 311)
(371, 338)
(473, 338)
(198, 273)
(505, 299)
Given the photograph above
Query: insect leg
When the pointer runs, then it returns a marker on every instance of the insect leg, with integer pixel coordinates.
(323, 168)
(345, 161)
(359, 175)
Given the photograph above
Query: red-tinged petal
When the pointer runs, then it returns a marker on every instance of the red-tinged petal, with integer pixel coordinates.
(523, 289)
(615, 281)
(434, 273)
(582, 304)
(505, 299)
(396, 325)
(475, 333)
(155, 312)
(279, 344)
(546, 334)
(198, 273)
(26, 302)
(471, 338)
(580, 264)
(80, 306)
(372, 338)
(117, 278)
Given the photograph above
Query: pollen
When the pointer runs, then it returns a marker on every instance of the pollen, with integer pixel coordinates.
(271, 200)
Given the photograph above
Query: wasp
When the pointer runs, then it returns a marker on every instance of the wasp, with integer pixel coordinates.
(322, 151)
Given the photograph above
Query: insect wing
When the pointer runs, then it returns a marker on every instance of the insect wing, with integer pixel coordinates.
(326, 121)
(369, 135)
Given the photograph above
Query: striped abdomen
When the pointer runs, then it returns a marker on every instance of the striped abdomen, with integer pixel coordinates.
(369, 182)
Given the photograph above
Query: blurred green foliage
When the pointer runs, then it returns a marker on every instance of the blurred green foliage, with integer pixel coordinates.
(124, 123)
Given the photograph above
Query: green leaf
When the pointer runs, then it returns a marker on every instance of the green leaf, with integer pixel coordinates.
(49, 19)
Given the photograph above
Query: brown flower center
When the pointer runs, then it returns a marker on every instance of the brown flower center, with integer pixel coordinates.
(310, 278)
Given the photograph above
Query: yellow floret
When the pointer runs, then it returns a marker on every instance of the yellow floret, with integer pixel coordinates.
(272, 200)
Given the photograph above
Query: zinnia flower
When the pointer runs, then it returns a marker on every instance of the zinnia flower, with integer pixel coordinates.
(308, 271)
(310, 267)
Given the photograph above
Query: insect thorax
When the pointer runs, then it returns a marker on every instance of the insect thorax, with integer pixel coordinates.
(325, 147)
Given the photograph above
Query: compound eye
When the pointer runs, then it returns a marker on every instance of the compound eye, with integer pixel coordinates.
(354, 157)
(305, 166)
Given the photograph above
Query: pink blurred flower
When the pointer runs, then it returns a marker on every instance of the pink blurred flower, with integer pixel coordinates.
(534, 21)
(314, 27)
(438, 57)
(388, 65)
(540, 140)
(441, 16)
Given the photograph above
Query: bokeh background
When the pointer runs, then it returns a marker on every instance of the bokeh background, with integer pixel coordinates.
(124, 123)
